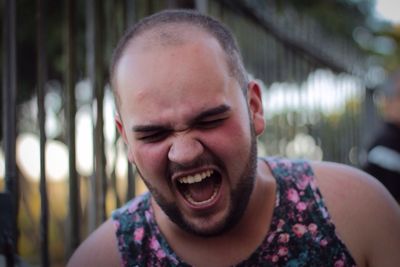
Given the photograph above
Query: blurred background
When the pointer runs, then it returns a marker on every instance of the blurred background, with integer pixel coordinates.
(63, 167)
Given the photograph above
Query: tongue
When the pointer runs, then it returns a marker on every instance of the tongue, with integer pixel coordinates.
(201, 191)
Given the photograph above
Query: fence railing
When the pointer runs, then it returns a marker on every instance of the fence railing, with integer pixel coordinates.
(9, 198)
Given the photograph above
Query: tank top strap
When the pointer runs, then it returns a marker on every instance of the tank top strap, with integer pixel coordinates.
(296, 184)
(301, 226)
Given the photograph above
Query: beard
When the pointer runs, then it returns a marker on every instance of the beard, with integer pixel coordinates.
(239, 199)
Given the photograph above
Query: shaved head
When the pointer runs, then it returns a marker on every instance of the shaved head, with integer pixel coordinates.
(174, 28)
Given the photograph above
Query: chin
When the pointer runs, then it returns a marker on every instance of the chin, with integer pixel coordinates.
(209, 227)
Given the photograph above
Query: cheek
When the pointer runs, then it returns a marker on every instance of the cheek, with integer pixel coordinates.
(150, 159)
(231, 143)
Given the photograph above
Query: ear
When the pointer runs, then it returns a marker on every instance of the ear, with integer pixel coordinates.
(120, 127)
(121, 130)
(254, 99)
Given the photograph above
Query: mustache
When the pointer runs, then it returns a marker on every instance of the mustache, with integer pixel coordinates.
(204, 160)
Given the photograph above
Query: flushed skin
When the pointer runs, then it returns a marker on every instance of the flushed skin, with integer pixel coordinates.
(199, 82)
(180, 103)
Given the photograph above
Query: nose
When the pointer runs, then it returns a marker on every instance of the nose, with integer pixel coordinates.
(185, 149)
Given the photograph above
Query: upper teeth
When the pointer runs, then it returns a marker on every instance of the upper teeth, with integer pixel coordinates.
(198, 177)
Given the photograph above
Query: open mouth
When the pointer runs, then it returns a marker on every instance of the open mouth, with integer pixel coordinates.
(201, 188)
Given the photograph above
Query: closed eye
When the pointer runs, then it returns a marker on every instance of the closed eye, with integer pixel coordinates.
(213, 117)
(209, 124)
(153, 137)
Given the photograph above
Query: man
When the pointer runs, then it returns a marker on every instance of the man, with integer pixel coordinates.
(190, 117)
(383, 158)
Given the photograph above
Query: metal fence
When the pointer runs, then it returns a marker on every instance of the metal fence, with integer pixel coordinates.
(298, 63)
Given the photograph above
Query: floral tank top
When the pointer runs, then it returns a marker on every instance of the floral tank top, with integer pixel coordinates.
(301, 231)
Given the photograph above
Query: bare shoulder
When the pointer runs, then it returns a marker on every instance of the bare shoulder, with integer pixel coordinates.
(353, 187)
(366, 216)
(99, 249)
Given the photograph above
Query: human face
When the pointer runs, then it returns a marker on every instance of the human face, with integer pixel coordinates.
(188, 130)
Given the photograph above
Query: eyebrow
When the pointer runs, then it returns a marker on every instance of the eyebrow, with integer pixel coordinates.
(211, 112)
(148, 128)
(202, 115)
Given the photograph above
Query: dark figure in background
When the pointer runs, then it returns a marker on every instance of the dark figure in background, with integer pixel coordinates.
(383, 158)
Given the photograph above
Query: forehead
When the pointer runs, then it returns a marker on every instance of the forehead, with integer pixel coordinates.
(154, 46)
(189, 74)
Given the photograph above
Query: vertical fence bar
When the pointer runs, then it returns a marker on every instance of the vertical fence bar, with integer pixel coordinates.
(90, 67)
(9, 121)
(41, 78)
(95, 70)
(130, 13)
(201, 6)
(74, 196)
(123, 11)
(9, 94)
(99, 96)
(131, 185)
